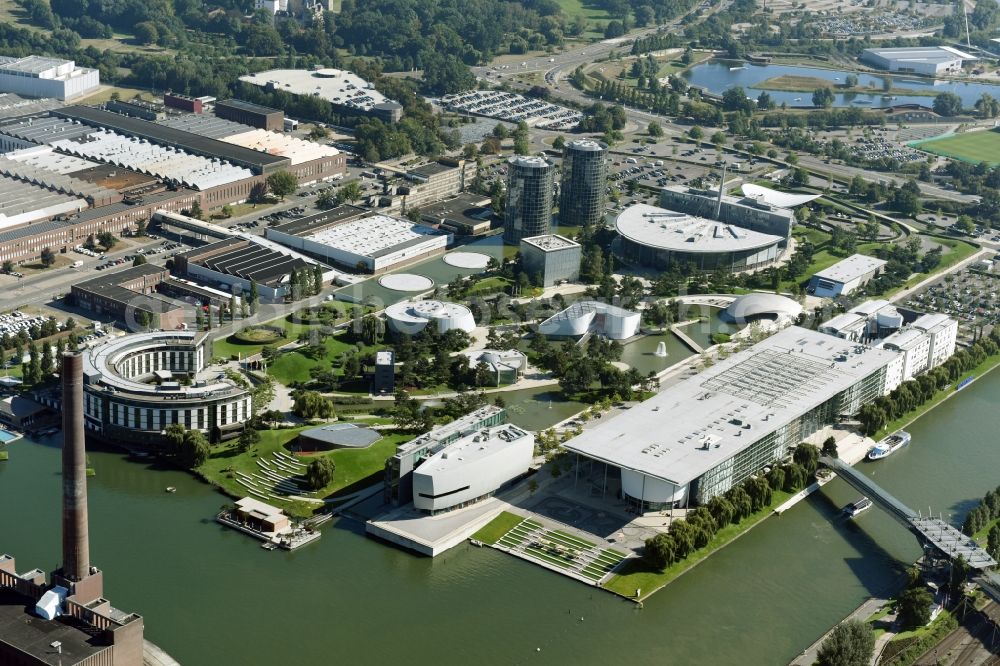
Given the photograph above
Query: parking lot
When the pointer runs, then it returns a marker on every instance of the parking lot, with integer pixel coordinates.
(970, 296)
(513, 108)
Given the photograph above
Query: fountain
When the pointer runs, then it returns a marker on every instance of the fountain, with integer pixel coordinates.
(661, 349)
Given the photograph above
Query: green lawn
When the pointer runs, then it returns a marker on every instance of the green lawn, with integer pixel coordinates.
(490, 285)
(975, 147)
(356, 468)
(597, 17)
(490, 533)
(294, 366)
(636, 573)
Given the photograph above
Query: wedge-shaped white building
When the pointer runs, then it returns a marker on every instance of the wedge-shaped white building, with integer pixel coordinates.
(582, 317)
(411, 317)
(472, 468)
(709, 432)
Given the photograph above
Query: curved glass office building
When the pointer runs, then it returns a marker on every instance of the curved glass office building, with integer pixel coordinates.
(529, 198)
(584, 182)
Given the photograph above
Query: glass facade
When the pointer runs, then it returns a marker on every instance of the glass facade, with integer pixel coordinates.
(530, 182)
(584, 183)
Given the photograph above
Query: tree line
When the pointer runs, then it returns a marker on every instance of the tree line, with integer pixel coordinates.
(913, 393)
(694, 531)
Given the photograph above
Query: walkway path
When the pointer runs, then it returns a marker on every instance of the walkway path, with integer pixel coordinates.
(686, 340)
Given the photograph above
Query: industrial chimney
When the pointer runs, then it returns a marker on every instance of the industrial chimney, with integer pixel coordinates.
(76, 545)
(722, 188)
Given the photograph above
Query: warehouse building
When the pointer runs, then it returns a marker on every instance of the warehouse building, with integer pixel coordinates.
(132, 390)
(658, 238)
(347, 92)
(37, 76)
(136, 108)
(713, 430)
(926, 60)
(373, 244)
(468, 214)
(130, 296)
(550, 259)
(23, 202)
(255, 115)
(183, 102)
(233, 263)
(845, 276)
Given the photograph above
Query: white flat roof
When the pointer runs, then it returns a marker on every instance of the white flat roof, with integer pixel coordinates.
(906, 339)
(373, 235)
(284, 145)
(932, 322)
(852, 268)
(657, 227)
(475, 446)
(733, 404)
(776, 198)
(418, 312)
(333, 85)
(933, 54)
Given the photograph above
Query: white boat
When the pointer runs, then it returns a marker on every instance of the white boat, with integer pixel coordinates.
(889, 445)
(854, 508)
(736, 69)
(797, 99)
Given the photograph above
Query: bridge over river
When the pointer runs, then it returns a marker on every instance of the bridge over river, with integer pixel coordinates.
(934, 534)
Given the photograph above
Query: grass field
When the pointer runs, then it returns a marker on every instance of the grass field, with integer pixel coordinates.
(974, 147)
(496, 528)
(294, 366)
(355, 467)
(597, 18)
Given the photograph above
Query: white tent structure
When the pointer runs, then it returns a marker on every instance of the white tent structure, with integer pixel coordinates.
(776, 198)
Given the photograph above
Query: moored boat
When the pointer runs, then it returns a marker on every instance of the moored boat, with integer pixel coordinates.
(889, 445)
(855, 508)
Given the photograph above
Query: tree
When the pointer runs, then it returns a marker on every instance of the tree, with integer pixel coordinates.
(146, 33)
(654, 128)
(830, 447)
(8, 266)
(141, 228)
(48, 256)
(107, 239)
(319, 473)
(851, 81)
(822, 97)
(696, 133)
(312, 405)
(947, 104)
(317, 279)
(372, 329)
(914, 607)
(350, 191)
(993, 542)
(249, 439)
(139, 260)
(196, 211)
(660, 551)
(282, 183)
(445, 74)
(46, 363)
(987, 106)
(849, 644)
(193, 449)
(253, 297)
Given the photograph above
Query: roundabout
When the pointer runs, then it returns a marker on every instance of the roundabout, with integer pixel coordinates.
(406, 282)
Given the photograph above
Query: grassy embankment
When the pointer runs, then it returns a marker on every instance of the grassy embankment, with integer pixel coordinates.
(637, 574)
(808, 84)
(356, 468)
(490, 533)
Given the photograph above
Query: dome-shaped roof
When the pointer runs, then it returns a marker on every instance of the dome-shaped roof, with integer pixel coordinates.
(753, 306)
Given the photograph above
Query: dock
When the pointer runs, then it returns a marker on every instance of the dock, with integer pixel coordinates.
(269, 524)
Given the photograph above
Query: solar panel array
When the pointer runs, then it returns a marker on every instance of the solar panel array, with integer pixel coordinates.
(771, 378)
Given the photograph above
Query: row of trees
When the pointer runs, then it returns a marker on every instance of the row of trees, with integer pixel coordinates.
(306, 281)
(696, 530)
(984, 513)
(913, 393)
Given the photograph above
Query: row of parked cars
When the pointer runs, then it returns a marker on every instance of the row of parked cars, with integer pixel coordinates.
(291, 213)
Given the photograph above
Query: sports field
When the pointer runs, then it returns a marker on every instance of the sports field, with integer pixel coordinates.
(975, 147)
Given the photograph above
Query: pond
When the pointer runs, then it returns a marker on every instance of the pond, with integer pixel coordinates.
(709, 322)
(641, 353)
(717, 76)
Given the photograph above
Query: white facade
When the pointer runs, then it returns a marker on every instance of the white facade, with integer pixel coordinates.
(927, 60)
(608, 320)
(273, 6)
(472, 467)
(411, 317)
(866, 322)
(845, 276)
(943, 333)
(915, 345)
(35, 76)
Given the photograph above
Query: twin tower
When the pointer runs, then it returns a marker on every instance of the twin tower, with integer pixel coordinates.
(531, 182)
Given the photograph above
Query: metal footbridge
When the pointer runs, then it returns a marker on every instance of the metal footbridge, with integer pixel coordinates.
(933, 533)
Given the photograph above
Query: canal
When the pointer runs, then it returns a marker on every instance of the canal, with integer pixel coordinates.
(212, 596)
